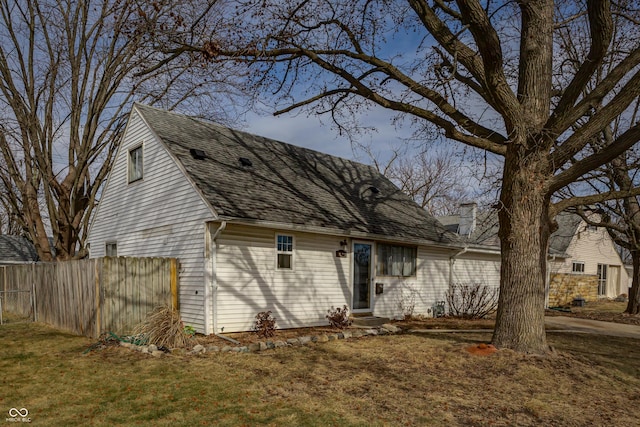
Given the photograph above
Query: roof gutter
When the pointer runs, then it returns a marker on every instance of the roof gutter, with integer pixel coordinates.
(342, 233)
(550, 259)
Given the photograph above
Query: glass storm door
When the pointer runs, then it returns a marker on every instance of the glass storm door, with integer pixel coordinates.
(362, 276)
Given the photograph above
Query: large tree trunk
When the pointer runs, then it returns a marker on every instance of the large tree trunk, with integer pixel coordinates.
(524, 235)
(633, 306)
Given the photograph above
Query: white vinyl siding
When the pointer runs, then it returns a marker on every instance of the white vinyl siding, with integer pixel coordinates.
(421, 291)
(161, 216)
(249, 282)
(477, 268)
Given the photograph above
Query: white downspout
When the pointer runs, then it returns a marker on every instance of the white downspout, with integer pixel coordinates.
(547, 287)
(452, 261)
(211, 287)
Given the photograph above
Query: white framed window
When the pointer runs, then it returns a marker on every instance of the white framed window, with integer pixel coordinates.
(111, 249)
(135, 164)
(284, 252)
(602, 279)
(394, 260)
(577, 267)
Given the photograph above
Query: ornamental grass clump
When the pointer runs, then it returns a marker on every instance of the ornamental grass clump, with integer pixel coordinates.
(164, 327)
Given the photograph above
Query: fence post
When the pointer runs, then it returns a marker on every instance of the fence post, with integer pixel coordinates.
(33, 291)
(4, 290)
(174, 283)
(33, 301)
(98, 300)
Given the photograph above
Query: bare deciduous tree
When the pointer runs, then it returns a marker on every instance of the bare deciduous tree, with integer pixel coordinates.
(620, 217)
(434, 179)
(68, 73)
(490, 75)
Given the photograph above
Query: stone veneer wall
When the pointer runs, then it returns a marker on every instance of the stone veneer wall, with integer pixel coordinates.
(563, 288)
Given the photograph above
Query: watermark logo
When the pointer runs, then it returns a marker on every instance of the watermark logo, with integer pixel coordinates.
(18, 415)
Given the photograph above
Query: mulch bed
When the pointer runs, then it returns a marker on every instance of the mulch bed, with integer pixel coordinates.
(246, 338)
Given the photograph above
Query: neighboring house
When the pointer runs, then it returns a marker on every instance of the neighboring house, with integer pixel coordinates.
(16, 250)
(583, 260)
(263, 225)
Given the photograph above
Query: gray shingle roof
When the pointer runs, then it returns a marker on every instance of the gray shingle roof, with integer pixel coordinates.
(486, 231)
(287, 184)
(16, 249)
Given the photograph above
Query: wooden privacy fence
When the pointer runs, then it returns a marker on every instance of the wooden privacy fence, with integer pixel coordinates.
(93, 296)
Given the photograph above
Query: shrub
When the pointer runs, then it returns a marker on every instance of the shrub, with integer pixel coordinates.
(471, 301)
(338, 317)
(265, 325)
(164, 328)
(407, 301)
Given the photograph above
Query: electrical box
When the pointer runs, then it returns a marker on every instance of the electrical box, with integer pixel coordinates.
(379, 288)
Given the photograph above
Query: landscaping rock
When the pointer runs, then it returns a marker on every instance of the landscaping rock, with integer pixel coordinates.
(226, 349)
(157, 353)
(391, 328)
(198, 348)
(213, 348)
(304, 340)
(346, 334)
(263, 346)
(144, 349)
(371, 332)
(280, 344)
(253, 347)
(152, 348)
(323, 338)
(332, 337)
(293, 341)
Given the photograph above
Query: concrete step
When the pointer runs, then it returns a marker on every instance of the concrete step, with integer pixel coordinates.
(368, 321)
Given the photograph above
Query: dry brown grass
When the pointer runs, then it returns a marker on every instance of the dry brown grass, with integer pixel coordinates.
(373, 381)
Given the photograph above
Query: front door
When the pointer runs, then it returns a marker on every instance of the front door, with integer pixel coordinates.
(362, 276)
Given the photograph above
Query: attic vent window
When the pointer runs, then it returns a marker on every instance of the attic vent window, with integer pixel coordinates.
(245, 162)
(198, 154)
(374, 190)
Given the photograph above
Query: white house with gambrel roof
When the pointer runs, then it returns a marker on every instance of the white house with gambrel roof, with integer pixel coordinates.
(576, 251)
(262, 225)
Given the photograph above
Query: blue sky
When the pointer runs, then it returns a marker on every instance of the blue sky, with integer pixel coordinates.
(317, 133)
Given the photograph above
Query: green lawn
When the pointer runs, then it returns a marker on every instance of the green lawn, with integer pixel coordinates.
(386, 380)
